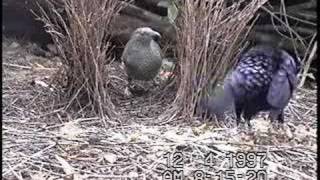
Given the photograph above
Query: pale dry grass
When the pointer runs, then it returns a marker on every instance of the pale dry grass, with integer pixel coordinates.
(41, 140)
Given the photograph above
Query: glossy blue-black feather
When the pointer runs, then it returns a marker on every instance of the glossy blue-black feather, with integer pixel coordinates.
(263, 80)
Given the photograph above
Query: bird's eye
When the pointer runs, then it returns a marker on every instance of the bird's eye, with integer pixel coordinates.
(156, 38)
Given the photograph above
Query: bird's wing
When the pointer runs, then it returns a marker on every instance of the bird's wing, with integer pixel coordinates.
(236, 84)
(290, 66)
(124, 55)
(131, 51)
(279, 92)
(155, 48)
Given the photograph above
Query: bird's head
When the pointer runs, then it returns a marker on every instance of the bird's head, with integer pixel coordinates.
(291, 61)
(146, 31)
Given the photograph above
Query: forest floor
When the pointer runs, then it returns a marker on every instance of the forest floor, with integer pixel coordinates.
(43, 140)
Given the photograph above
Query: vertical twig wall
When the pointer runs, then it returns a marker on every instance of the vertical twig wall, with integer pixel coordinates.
(80, 30)
(209, 36)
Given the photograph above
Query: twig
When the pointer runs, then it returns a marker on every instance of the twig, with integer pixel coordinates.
(32, 156)
(307, 64)
(17, 66)
(283, 23)
(14, 173)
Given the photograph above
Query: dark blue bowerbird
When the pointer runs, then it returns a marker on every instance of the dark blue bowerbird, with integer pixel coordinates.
(263, 80)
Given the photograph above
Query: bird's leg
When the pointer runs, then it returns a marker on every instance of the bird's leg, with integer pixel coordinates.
(137, 88)
(127, 91)
(272, 116)
(238, 113)
(281, 119)
(129, 82)
(238, 120)
(155, 83)
(248, 123)
(247, 117)
(276, 114)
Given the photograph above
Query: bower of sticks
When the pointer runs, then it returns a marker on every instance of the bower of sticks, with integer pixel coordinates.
(65, 113)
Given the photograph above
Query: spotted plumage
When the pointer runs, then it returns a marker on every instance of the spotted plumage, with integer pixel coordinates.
(142, 56)
(263, 80)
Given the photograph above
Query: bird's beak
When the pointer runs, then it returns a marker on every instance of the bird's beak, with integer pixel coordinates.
(156, 36)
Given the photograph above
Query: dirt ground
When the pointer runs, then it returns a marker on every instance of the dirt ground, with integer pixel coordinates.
(43, 140)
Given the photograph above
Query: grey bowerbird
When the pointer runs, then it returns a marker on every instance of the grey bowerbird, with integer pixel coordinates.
(142, 55)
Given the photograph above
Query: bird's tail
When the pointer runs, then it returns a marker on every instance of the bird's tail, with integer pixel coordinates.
(218, 103)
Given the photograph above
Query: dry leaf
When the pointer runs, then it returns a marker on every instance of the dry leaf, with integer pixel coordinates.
(37, 65)
(67, 168)
(41, 83)
(111, 158)
(261, 125)
(172, 135)
(70, 130)
(120, 138)
(133, 174)
(38, 176)
(199, 130)
(288, 132)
